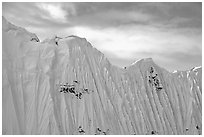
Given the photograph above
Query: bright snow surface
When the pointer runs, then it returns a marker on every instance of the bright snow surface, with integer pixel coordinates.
(65, 86)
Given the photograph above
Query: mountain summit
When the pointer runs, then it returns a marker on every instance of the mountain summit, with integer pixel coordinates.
(65, 86)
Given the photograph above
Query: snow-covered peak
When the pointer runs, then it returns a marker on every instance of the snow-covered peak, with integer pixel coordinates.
(145, 60)
(65, 86)
(7, 27)
(196, 68)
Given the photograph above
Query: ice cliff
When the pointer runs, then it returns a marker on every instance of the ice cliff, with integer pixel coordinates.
(65, 86)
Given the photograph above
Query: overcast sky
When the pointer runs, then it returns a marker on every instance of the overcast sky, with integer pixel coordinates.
(170, 33)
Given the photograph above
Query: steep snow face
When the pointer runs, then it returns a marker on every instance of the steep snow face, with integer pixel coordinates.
(65, 86)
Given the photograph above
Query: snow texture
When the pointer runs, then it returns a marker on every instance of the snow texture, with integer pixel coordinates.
(65, 86)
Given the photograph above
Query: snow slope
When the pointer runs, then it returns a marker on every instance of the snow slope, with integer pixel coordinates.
(141, 99)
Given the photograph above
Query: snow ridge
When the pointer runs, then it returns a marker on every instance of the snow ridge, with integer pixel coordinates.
(65, 86)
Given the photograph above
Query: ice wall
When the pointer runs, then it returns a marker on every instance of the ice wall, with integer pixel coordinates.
(104, 99)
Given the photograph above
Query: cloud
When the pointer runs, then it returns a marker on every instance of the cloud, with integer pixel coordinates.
(135, 42)
(54, 10)
(44, 19)
(138, 38)
(170, 33)
(159, 14)
(111, 18)
(38, 14)
(58, 11)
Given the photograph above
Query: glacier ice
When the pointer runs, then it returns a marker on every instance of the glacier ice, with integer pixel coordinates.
(141, 99)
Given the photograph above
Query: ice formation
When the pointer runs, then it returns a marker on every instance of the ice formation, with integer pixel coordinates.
(65, 86)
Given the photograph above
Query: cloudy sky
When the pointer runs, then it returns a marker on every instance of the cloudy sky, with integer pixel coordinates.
(170, 33)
